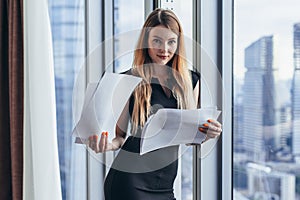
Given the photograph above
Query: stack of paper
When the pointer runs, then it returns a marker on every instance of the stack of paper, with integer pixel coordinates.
(103, 104)
(170, 127)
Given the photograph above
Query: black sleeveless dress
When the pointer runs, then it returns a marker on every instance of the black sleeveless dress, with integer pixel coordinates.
(150, 176)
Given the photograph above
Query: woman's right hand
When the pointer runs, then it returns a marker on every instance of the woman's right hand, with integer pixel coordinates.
(102, 145)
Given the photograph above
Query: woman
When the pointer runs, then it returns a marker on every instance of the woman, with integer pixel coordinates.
(159, 60)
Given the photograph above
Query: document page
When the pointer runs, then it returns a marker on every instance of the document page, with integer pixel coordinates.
(170, 127)
(103, 104)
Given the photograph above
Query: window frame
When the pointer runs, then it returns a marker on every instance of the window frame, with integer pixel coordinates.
(227, 102)
(211, 39)
(95, 13)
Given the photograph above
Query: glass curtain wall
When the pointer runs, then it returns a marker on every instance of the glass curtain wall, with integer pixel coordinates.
(266, 102)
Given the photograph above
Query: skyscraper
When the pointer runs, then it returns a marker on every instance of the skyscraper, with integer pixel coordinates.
(238, 116)
(259, 99)
(296, 95)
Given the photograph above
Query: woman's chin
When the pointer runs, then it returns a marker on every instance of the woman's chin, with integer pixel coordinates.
(161, 62)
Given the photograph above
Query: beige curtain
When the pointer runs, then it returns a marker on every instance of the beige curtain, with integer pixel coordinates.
(41, 166)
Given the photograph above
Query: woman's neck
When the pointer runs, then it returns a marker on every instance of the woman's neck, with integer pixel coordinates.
(160, 71)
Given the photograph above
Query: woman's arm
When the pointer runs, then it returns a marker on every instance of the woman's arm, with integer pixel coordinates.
(121, 128)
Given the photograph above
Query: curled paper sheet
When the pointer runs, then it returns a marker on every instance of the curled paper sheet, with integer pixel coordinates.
(170, 127)
(103, 104)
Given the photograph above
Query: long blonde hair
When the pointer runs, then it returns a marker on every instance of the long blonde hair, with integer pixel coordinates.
(182, 87)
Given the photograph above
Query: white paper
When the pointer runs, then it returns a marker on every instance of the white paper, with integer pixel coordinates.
(170, 127)
(103, 105)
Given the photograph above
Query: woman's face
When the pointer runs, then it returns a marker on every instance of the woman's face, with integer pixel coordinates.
(162, 44)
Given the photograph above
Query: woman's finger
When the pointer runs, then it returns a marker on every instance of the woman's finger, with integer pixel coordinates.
(92, 142)
(212, 134)
(212, 129)
(105, 141)
(202, 129)
(216, 129)
(95, 143)
(214, 122)
(215, 126)
(102, 142)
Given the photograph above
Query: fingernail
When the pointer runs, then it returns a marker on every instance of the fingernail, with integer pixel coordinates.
(95, 137)
(201, 129)
(206, 125)
(106, 133)
(103, 133)
(209, 120)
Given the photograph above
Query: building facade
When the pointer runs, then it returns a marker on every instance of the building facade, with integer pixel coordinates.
(259, 102)
(296, 95)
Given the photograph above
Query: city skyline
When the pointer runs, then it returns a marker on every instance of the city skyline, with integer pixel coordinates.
(266, 148)
(281, 101)
(264, 22)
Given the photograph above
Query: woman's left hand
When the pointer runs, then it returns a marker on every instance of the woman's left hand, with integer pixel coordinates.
(212, 128)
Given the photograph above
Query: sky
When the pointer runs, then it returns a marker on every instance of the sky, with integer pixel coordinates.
(257, 18)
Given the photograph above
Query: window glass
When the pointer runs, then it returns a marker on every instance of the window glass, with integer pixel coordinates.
(128, 21)
(129, 24)
(67, 25)
(266, 140)
(184, 11)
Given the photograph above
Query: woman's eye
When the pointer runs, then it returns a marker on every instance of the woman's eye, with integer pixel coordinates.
(156, 41)
(172, 42)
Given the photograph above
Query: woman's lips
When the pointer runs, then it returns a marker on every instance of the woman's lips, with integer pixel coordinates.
(162, 57)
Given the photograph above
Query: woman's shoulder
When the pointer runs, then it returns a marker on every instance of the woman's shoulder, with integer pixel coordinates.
(127, 72)
(195, 75)
(131, 72)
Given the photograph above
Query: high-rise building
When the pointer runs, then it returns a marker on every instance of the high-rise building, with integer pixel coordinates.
(259, 99)
(285, 125)
(67, 24)
(296, 95)
(238, 126)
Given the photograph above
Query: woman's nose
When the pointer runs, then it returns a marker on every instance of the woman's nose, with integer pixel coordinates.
(164, 47)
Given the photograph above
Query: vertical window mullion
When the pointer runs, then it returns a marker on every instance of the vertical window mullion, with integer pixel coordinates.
(211, 95)
(93, 63)
(86, 27)
(227, 64)
(197, 63)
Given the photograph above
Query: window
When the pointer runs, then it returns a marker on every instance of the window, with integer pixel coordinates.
(123, 51)
(266, 100)
(126, 31)
(126, 25)
(67, 22)
(184, 180)
(100, 34)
